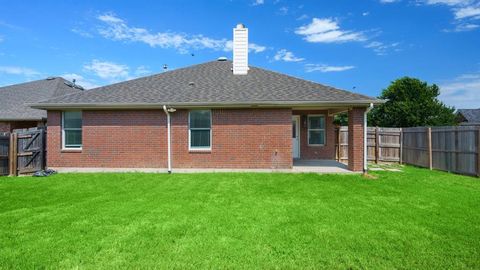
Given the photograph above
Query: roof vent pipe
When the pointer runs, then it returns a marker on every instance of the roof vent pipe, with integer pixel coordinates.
(240, 50)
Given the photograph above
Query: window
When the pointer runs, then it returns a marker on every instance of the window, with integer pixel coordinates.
(200, 123)
(294, 129)
(316, 130)
(72, 130)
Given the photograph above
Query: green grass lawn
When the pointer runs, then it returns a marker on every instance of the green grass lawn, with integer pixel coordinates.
(415, 219)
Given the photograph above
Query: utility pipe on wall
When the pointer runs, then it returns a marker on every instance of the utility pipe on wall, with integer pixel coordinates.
(169, 147)
(365, 133)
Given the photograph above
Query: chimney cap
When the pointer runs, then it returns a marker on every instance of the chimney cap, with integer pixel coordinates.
(240, 25)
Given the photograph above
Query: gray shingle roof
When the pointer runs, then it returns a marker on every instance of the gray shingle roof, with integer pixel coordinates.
(14, 99)
(471, 115)
(209, 83)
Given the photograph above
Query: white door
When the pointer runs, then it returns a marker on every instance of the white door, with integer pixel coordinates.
(296, 136)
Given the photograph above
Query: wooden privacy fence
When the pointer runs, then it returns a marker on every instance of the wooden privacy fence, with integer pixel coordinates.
(383, 144)
(452, 149)
(22, 151)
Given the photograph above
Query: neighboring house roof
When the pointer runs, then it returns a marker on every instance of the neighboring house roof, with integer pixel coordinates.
(208, 84)
(14, 99)
(470, 115)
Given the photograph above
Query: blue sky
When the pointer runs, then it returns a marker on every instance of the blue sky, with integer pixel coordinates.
(358, 45)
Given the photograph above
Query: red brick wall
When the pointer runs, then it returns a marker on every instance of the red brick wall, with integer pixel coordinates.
(355, 139)
(253, 138)
(326, 151)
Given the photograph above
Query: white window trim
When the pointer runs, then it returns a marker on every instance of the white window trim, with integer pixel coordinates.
(199, 148)
(316, 129)
(63, 134)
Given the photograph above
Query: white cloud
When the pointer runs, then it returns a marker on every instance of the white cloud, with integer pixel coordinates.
(107, 70)
(142, 70)
(80, 80)
(366, 13)
(327, 30)
(252, 47)
(284, 55)
(464, 12)
(82, 33)
(258, 2)
(462, 92)
(326, 68)
(464, 27)
(448, 2)
(14, 70)
(467, 12)
(117, 29)
(283, 11)
(381, 48)
(303, 17)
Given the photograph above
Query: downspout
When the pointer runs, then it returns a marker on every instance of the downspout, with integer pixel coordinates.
(169, 151)
(365, 148)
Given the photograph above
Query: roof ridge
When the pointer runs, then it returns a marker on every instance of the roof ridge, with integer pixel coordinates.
(57, 88)
(22, 83)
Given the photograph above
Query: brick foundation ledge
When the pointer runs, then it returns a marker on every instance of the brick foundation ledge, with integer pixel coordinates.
(204, 170)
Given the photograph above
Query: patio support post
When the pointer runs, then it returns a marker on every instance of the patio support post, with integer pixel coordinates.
(356, 139)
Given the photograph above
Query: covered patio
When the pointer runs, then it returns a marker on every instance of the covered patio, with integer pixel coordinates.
(314, 139)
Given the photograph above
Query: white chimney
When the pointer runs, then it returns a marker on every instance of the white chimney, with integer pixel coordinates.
(240, 50)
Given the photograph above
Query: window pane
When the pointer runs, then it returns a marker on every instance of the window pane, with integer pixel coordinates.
(72, 119)
(294, 129)
(316, 137)
(200, 138)
(316, 122)
(73, 138)
(200, 119)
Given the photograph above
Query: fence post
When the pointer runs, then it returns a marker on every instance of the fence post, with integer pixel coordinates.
(377, 146)
(13, 154)
(429, 144)
(478, 152)
(400, 158)
(338, 143)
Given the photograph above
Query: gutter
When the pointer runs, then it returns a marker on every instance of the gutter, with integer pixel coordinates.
(365, 133)
(169, 143)
(186, 105)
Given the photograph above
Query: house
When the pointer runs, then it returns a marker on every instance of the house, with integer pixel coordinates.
(219, 114)
(468, 117)
(14, 111)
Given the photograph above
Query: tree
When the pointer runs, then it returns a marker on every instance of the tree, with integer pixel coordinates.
(340, 119)
(410, 103)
